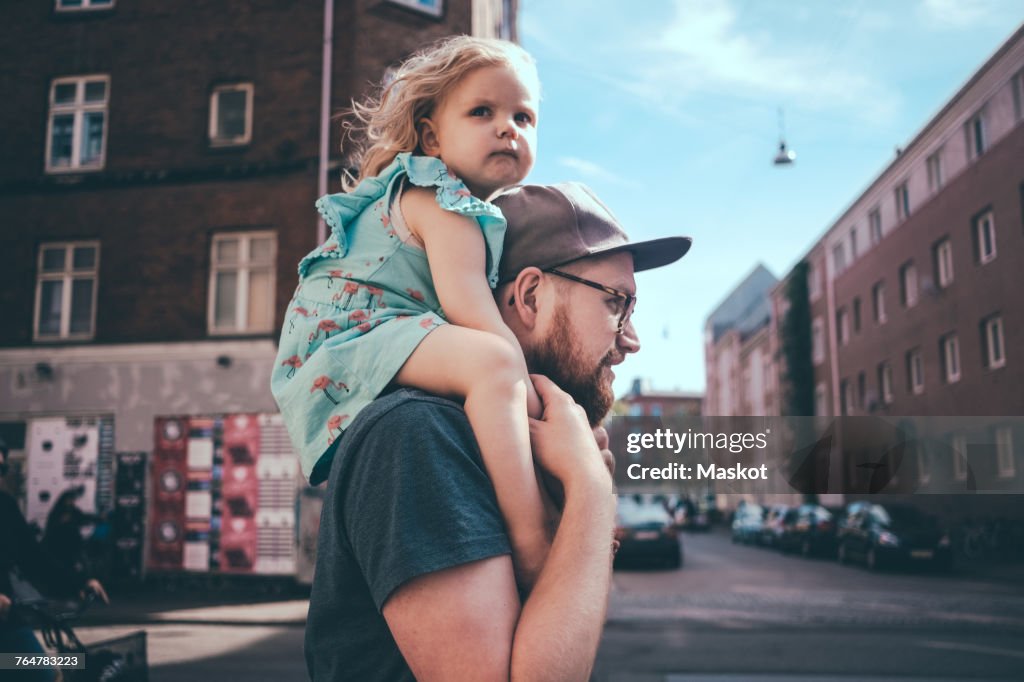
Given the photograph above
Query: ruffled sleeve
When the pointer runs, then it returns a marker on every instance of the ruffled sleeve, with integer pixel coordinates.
(453, 195)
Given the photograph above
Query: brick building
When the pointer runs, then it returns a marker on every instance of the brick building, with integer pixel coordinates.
(157, 187)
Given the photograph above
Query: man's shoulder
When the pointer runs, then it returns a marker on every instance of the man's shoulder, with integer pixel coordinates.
(402, 407)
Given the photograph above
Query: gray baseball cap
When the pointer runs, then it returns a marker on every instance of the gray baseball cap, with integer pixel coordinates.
(551, 225)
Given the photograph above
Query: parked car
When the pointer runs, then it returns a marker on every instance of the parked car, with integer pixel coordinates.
(882, 536)
(772, 527)
(747, 523)
(811, 530)
(646, 532)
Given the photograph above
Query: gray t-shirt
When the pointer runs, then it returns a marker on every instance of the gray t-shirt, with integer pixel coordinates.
(407, 495)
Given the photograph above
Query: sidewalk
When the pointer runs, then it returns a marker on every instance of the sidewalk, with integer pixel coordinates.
(140, 608)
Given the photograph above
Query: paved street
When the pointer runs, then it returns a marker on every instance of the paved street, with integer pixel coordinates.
(731, 613)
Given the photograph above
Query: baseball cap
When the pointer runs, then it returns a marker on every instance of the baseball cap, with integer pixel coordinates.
(551, 225)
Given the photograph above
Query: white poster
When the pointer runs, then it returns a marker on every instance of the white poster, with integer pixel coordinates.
(62, 454)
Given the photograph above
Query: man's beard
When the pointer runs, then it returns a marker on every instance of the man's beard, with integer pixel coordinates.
(558, 357)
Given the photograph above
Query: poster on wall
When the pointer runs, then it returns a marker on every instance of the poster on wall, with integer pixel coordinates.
(63, 453)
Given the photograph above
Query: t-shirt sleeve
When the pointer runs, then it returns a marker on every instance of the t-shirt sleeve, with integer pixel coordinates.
(417, 498)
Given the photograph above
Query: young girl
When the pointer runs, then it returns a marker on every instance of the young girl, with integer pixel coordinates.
(413, 247)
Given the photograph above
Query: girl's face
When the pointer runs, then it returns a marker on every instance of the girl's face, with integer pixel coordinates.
(485, 129)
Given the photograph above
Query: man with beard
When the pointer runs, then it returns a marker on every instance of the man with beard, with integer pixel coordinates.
(414, 575)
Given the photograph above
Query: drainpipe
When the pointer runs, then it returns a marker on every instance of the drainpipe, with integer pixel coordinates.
(325, 113)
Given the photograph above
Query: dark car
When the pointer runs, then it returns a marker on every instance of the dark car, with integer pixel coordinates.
(747, 523)
(887, 535)
(811, 530)
(772, 528)
(646, 532)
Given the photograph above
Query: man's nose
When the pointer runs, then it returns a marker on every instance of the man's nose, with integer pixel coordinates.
(628, 341)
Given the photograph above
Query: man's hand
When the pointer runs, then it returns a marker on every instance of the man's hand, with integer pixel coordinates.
(96, 587)
(563, 442)
(5, 606)
(601, 437)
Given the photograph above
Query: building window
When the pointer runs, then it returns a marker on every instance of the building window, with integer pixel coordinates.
(1005, 461)
(943, 251)
(878, 302)
(992, 337)
(862, 390)
(902, 201)
(875, 225)
(69, 5)
(1018, 96)
(839, 257)
(915, 371)
(66, 290)
(813, 282)
(985, 237)
(949, 350)
(817, 342)
(958, 443)
(856, 315)
(924, 462)
(231, 114)
(433, 8)
(853, 243)
(820, 406)
(242, 283)
(846, 399)
(655, 410)
(974, 131)
(908, 285)
(77, 126)
(885, 382)
(843, 326)
(934, 165)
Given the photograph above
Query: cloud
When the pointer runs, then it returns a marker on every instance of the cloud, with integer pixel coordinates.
(595, 172)
(956, 13)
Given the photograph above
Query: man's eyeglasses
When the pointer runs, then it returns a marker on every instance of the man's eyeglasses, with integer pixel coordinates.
(627, 302)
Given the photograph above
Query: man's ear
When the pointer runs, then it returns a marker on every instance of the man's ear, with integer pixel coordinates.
(429, 142)
(525, 297)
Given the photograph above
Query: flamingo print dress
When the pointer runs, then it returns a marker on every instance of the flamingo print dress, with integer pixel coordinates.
(365, 300)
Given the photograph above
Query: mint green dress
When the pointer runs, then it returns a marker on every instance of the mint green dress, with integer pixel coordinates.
(365, 300)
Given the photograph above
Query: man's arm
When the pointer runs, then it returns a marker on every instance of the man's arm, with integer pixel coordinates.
(466, 622)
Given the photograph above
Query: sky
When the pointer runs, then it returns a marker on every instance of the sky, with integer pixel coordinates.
(671, 114)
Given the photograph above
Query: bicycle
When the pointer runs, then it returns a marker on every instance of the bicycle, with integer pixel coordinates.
(118, 659)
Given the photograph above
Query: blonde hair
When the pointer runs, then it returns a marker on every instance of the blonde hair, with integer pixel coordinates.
(386, 123)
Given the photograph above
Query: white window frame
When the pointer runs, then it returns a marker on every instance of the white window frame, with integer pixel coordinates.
(813, 282)
(839, 257)
(902, 196)
(817, 341)
(908, 284)
(843, 326)
(85, 6)
(885, 381)
(1018, 96)
(67, 276)
(976, 134)
(924, 469)
(944, 262)
(434, 8)
(875, 225)
(878, 301)
(915, 367)
(77, 109)
(934, 167)
(243, 267)
(1006, 463)
(994, 342)
(820, 401)
(985, 225)
(246, 137)
(951, 358)
(958, 443)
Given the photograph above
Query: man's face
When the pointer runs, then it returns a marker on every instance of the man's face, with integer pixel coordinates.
(581, 344)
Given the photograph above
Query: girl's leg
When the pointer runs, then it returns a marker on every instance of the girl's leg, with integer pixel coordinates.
(484, 369)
